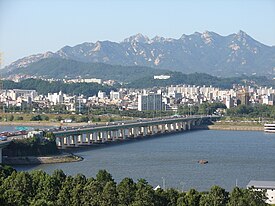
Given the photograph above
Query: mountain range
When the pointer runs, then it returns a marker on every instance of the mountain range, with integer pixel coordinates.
(206, 52)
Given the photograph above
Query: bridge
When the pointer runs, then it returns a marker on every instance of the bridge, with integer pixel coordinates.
(126, 130)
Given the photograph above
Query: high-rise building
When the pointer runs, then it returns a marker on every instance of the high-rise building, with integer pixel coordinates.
(115, 95)
(56, 98)
(229, 102)
(150, 101)
(101, 94)
(243, 98)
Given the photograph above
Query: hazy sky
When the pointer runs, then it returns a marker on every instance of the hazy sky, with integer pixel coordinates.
(35, 26)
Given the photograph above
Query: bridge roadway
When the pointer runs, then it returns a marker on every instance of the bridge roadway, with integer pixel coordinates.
(125, 130)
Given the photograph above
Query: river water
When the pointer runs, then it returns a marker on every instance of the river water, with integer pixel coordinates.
(234, 157)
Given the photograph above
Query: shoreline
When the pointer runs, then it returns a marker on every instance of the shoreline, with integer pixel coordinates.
(33, 160)
(236, 127)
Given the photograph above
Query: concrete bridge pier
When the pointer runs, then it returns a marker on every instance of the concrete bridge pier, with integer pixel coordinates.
(75, 139)
(80, 139)
(135, 132)
(162, 127)
(122, 132)
(189, 125)
(94, 136)
(179, 125)
(153, 129)
(126, 133)
(70, 140)
(109, 135)
(115, 135)
(169, 127)
(174, 125)
(61, 142)
(159, 128)
(66, 140)
(84, 138)
(89, 138)
(102, 136)
(145, 131)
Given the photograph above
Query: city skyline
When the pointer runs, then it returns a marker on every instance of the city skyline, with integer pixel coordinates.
(29, 27)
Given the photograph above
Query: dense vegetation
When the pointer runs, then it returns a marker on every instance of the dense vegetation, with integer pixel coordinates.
(40, 188)
(254, 111)
(200, 79)
(59, 68)
(201, 109)
(45, 87)
(34, 146)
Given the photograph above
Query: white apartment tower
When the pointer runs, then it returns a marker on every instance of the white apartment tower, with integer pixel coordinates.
(150, 101)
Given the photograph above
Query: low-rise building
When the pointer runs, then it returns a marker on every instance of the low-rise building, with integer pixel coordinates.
(268, 186)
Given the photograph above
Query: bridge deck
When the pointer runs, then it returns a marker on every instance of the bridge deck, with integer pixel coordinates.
(125, 125)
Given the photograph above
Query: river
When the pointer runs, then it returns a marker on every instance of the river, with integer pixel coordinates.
(235, 157)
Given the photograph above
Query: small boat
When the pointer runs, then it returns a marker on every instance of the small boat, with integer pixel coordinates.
(203, 161)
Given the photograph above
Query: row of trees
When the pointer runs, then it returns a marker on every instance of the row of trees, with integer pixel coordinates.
(45, 87)
(201, 109)
(252, 111)
(200, 79)
(34, 146)
(40, 188)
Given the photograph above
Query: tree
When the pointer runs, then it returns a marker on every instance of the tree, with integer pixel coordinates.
(109, 195)
(36, 118)
(255, 198)
(64, 196)
(103, 177)
(126, 191)
(144, 194)
(92, 193)
(18, 189)
(172, 195)
(161, 198)
(192, 197)
(216, 197)
(11, 118)
(237, 197)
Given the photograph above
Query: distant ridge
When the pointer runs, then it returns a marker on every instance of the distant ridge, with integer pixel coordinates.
(60, 68)
(206, 52)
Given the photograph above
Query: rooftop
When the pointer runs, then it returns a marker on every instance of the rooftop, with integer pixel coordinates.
(262, 184)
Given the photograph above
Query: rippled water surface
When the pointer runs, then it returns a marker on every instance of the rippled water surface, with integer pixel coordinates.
(232, 155)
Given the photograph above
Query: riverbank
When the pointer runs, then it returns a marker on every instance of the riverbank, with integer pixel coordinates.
(236, 127)
(32, 160)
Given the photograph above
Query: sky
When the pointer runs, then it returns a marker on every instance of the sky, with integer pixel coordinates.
(35, 26)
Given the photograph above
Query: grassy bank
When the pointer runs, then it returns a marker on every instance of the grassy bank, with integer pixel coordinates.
(237, 125)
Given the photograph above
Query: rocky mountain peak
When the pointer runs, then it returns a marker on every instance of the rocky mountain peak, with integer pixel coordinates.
(198, 52)
(138, 38)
